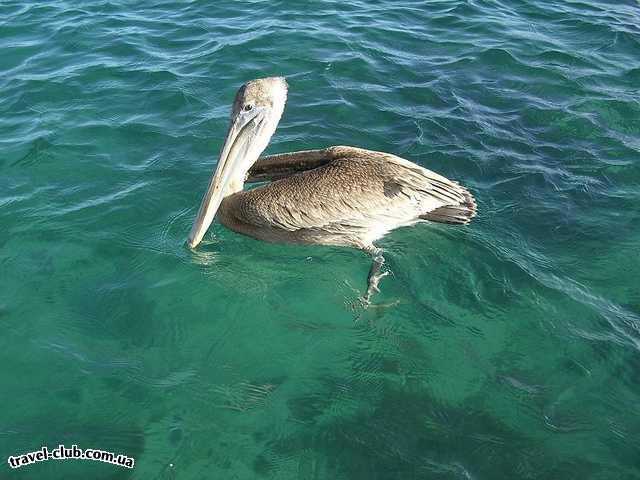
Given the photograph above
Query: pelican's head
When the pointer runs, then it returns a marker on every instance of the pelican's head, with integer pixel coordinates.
(256, 112)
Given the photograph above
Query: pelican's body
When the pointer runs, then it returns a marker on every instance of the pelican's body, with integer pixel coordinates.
(354, 199)
(336, 196)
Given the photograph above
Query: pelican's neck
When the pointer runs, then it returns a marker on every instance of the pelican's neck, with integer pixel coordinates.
(236, 183)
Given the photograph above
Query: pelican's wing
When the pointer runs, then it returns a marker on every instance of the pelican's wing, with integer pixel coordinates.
(357, 189)
(281, 165)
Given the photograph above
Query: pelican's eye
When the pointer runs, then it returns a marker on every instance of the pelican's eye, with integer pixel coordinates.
(248, 107)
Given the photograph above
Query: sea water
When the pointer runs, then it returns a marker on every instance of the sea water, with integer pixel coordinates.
(506, 349)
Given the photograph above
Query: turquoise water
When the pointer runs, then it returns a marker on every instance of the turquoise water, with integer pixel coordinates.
(506, 349)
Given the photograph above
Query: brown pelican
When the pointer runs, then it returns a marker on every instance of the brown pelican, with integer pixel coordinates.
(336, 196)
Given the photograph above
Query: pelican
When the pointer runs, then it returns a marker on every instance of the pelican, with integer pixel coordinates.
(339, 195)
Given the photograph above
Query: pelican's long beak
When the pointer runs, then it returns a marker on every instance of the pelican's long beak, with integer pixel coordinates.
(234, 161)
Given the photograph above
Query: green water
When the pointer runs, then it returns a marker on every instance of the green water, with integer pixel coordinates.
(507, 349)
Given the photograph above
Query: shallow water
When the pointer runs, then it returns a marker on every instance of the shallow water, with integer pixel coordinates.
(506, 349)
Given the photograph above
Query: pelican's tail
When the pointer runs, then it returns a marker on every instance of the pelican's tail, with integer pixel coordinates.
(458, 214)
